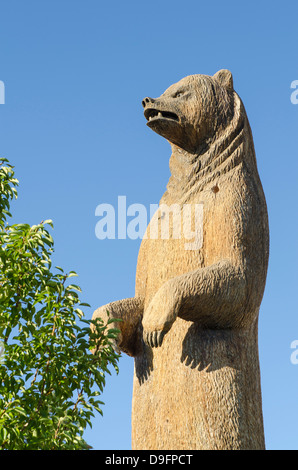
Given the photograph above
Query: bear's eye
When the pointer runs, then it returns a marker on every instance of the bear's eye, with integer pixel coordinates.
(178, 94)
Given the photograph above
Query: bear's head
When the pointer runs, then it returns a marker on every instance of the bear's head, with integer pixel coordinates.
(193, 112)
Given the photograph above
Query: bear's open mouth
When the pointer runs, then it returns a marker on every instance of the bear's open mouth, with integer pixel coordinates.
(151, 114)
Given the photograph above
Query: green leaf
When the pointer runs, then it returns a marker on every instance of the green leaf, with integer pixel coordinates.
(72, 274)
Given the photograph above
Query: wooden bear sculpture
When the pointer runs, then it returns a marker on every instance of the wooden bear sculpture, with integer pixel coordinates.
(192, 326)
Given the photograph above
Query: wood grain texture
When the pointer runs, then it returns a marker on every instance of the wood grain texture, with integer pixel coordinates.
(192, 326)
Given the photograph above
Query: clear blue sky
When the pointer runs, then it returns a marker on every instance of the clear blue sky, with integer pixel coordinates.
(75, 73)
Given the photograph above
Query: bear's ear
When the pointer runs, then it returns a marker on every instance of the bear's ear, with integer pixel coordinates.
(225, 78)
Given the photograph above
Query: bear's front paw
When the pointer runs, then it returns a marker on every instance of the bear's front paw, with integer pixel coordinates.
(154, 338)
(104, 312)
(160, 315)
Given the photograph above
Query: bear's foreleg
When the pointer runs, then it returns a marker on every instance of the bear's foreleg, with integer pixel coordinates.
(215, 296)
(130, 312)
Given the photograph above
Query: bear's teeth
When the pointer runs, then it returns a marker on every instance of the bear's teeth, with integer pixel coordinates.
(155, 114)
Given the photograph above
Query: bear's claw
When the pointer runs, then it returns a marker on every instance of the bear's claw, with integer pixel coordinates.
(154, 338)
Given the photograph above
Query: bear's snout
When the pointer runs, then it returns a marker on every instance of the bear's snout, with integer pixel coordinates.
(147, 100)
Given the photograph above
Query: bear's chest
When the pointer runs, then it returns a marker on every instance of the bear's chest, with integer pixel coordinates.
(173, 244)
(184, 237)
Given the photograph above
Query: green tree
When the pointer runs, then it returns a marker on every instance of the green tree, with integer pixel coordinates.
(53, 363)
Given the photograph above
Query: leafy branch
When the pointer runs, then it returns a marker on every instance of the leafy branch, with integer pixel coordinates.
(54, 363)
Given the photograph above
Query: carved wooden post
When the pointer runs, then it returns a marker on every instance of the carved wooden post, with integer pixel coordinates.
(192, 326)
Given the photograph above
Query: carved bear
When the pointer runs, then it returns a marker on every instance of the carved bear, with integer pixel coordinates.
(192, 325)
